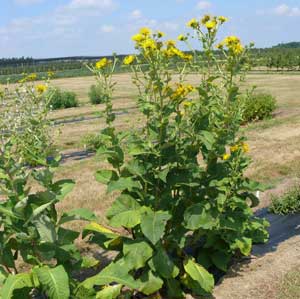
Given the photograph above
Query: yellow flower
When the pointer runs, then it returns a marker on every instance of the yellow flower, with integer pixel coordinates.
(102, 63)
(187, 104)
(193, 23)
(220, 46)
(234, 148)
(160, 34)
(182, 38)
(138, 38)
(205, 19)
(40, 88)
(211, 25)
(222, 19)
(129, 60)
(238, 49)
(226, 157)
(145, 31)
(170, 43)
(182, 91)
(229, 40)
(148, 44)
(31, 77)
(188, 57)
(245, 147)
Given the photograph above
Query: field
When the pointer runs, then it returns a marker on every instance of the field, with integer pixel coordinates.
(274, 148)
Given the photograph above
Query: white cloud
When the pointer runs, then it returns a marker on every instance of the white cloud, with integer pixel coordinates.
(136, 14)
(285, 10)
(107, 28)
(203, 5)
(94, 4)
(28, 2)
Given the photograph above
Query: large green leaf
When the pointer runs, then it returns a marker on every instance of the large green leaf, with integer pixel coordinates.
(94, 227)
(104, 176)
(62, 188)
(16, 282)
(114, 272)
(136, 254)
(153, 225)
(109, 292)
(198, 216)
(221, 259)
(3, 276)
(46, 228)
(243, 244)
(163, 265)
(124, 212)
(150, 283)
(54, 281)
(199, 274)
(123, 184)
(78, 214)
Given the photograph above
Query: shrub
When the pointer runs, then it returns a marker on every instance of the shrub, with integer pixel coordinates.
(97, 95)
(63, 99)
(182, 195)
(288, 203)
(92, 141)
(258, 106)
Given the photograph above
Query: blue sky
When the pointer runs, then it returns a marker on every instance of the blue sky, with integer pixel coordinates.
(51, 28)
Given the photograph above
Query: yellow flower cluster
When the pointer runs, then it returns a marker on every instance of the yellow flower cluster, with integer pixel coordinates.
(50, 74)
(182, 91)
(243, 146)
(102, 63)
(209, 22)
(233, 44)
(30, 77)
(129, 60)
(41, 88)
(226, 157)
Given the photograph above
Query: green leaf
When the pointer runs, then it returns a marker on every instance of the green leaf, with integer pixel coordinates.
(94, 227)
(62, 188)
(198, 216)
(16, 282)
(46, 228)
(243, 244)
(199, 274)
(136, 254)
(8, 212)
(104, 176)
(124, 212)
(123, 184)
(54, 281)
(3, 276)
(207, 139)
(153, 225)
(221, 259)
(150, 283)
(174, 289)
(66, 236)
(114, 272)
(163, 264)
(110, 292)
(78, 214)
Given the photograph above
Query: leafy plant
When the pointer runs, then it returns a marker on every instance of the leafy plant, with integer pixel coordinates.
(97, 94)
(182, 195)
(258, 106)
(62, 99)
(288, 203)
(92, 142)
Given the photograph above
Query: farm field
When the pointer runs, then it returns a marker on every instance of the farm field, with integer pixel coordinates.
(274, 149)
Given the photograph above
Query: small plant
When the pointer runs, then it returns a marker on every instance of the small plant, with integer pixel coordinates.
(257, 106)
(288, 203)
(97, 94)
(62, 99)
(92, 142)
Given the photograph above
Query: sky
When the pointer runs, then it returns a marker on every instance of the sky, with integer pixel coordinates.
(53, 28)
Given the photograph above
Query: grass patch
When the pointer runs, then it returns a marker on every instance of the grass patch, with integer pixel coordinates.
(288, 203)
(290, 285)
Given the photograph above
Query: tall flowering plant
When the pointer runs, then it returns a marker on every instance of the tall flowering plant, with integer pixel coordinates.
(182, 195)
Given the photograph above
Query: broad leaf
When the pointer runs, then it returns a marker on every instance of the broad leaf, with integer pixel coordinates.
(46, 228)
(109, 292)
(78, 214)
(199, 274)
(123, 184)
(16, 282)
(104, 176)
(198, 216)
(150, 283)
(54, 281)
(62, 188)
(136, 254)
